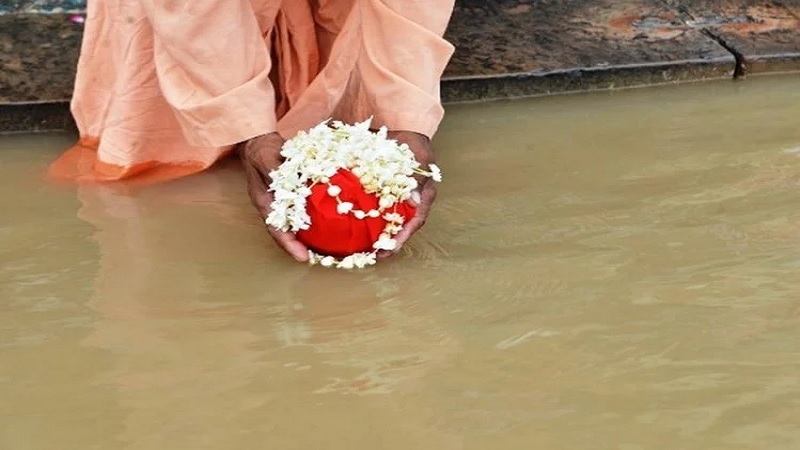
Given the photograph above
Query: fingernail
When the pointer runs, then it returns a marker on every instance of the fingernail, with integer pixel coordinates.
(415, 199)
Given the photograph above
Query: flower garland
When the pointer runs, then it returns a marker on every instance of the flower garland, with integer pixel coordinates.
(384, 167)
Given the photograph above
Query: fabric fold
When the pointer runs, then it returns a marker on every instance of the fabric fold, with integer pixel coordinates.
(165, 88)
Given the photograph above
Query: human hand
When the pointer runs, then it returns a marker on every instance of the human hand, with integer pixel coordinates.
(425, 195)
(260, 156)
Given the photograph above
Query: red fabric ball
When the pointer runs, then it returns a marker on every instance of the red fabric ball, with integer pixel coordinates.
(340, 235)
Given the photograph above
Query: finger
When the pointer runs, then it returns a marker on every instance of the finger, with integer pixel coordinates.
(285, 240)
(409, 229)
(264, 154)
(262, 198)
(418, 221)
(412, 225)
(289, 243)
(258, 190)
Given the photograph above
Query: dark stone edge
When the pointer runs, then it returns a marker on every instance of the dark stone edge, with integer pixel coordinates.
(36, 117)
(55, 115)
(70, 11)
(771, 64)
(481, 88)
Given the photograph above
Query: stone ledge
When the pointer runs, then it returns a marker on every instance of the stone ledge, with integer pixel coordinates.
(481, 88)
(41, 6)
(526, 36)
(35, 117)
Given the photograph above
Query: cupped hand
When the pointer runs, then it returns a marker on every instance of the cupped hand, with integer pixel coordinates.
(421, 146)
(260, 156)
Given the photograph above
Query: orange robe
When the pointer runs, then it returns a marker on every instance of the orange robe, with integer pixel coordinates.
(165, 88)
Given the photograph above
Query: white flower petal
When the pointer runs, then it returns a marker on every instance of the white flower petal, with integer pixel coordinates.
(385, 242)
(385, 202)
(344, 207)
(393, 217)
(328, 261)
(346, 263)
(334, 190)
(392, 229)
(436, 173)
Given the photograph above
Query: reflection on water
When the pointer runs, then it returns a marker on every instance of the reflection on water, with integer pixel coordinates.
(601, 271)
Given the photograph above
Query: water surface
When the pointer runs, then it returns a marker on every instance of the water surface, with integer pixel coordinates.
(603, 271)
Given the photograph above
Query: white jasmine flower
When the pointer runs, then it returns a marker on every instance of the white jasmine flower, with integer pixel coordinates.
(313, 258)
(347, 263)
(334, 190)
(327, 261)
(392, 229)
(385, 242)
(362, 260)
(366, 180)
(393, 217)
(386, 202)
(344, 207)
(436, 173)
(359, 214)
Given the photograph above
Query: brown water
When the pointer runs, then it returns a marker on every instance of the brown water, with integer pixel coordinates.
(605, 271)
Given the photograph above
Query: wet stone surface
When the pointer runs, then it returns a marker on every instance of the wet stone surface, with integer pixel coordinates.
(765, 33)
(38, 54)
(518, 48)
(36, 117)
(41, 6)
(524, 36)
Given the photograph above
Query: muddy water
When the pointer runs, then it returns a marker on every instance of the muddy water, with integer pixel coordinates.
(609, 271)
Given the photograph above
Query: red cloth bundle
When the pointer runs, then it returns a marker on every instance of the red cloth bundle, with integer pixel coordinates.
(340, 235)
